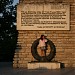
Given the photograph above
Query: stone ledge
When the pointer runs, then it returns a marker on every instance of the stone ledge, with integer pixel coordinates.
(44, 65)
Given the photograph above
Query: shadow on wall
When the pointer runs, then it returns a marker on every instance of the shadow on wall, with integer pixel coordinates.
(62, 65)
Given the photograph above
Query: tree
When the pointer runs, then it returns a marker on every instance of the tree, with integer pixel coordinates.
(3, 4)
(8, 32)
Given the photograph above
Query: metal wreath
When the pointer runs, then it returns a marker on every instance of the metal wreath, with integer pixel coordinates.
(35, 54)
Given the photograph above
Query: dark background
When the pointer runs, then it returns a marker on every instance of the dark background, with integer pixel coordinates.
(8, 32)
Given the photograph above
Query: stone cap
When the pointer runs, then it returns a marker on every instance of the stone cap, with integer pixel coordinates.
(40, 1)
(46, 1)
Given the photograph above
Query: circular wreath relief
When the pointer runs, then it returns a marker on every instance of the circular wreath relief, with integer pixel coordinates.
(35, 54)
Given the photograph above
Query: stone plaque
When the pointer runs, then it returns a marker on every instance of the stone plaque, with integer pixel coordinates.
(44, 16)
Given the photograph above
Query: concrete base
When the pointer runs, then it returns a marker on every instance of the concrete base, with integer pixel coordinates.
(44, 65)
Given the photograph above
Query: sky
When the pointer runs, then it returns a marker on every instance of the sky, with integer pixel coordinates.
(15, 1)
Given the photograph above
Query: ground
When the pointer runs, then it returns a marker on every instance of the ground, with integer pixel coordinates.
(7, 69)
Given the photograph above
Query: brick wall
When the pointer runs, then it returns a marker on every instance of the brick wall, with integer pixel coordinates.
(63, 40)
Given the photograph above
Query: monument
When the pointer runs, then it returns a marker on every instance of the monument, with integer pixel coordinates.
(53, 18)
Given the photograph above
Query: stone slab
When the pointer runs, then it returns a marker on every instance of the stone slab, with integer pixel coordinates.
(44, 16)
(44, 65)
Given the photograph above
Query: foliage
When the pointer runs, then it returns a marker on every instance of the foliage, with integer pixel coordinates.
(3, 4)
(8, 32)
